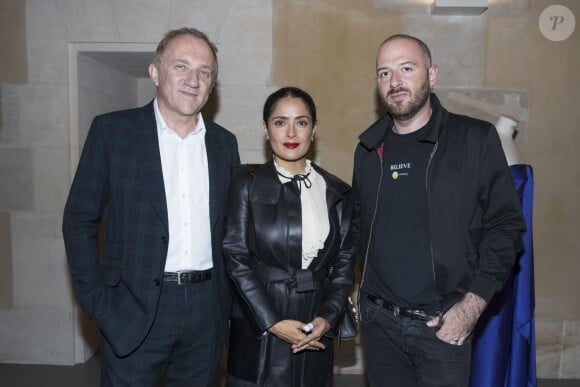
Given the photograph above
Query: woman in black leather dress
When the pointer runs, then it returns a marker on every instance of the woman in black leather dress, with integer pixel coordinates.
(289, 253)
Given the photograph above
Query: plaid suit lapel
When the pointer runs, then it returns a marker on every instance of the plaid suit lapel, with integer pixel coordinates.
(147, 147)
(215, 170)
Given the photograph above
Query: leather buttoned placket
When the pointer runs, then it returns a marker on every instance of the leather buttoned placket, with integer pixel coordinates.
(293, 224)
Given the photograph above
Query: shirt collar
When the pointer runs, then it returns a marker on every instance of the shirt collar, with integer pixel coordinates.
(163, 128)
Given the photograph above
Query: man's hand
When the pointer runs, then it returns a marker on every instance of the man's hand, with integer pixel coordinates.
(460, 319)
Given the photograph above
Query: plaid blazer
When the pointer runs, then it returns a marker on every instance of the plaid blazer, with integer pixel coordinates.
(119, 183)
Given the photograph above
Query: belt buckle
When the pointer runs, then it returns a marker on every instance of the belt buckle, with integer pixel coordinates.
(179, 272)
(396, 311)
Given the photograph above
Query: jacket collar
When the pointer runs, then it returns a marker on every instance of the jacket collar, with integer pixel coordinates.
(373, 137)
(267, 186)
(216, 164)
(147, 148)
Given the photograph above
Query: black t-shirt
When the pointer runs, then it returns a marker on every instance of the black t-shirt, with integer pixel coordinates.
(399, 267)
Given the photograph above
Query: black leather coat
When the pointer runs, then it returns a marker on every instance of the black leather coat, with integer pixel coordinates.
(263, 254)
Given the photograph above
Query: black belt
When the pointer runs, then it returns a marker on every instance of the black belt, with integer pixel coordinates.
(304, 280)
(398, 311)
(187, 276)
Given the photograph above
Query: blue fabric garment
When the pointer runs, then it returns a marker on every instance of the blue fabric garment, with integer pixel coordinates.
(504, 346)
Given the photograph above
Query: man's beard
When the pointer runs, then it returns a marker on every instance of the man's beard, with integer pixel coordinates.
(406, 111)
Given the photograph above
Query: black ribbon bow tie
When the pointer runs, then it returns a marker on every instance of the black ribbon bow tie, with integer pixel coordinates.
(298, 180)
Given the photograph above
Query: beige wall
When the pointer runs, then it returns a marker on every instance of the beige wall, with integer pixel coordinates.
(13, 66)
(492, 64)
(518, 55)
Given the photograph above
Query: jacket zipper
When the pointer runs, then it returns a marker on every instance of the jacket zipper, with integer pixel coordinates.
(371, 227)
(429, 228)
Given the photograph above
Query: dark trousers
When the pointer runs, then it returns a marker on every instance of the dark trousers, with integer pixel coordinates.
(401, 352)
(183, 346)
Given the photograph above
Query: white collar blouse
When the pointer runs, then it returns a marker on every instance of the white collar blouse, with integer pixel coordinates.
(315, 223)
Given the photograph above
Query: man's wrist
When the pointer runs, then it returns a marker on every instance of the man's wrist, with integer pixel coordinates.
(473, 304)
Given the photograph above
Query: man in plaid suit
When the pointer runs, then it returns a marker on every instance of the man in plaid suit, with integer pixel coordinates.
(157, 177)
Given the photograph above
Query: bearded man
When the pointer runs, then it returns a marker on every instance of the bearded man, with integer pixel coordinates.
(437, 224)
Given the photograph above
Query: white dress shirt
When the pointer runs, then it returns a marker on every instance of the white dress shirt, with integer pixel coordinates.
(186, 179)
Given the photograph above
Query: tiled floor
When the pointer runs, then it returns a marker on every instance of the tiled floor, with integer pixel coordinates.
(87, 375)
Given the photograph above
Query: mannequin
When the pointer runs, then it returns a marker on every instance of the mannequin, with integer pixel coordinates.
(504, 340)
(506, 127)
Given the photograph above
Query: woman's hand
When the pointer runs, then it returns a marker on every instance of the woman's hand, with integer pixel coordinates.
(288, 330)
(291, 332)
(312, 341)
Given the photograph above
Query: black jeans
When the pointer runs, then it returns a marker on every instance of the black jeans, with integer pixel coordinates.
(401, 352)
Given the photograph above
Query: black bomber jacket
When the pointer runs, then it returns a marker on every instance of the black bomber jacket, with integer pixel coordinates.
(475, 219)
